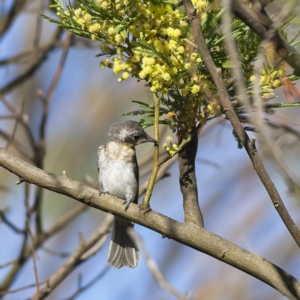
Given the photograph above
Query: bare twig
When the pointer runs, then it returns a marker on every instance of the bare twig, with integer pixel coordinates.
(9, 277)
(56, 253)
(17, 7)
(286, 128)
(17, 145)
(15, 126)
(40, 150)
(89, 284)
(29, 286)
(56, 77)
(22, 120)
(74, 259)
(9, 263)
(35, 64)
(34, 262)
(10, 224)
(26, 250)
(38, 26)
(157, 274)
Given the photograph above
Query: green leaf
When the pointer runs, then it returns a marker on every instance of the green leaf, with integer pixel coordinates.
(227, 64)
(137, 113)
(144, 48)
(240, 145)
(143, 104)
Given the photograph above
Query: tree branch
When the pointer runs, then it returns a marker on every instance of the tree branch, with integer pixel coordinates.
(185, 233)
(188, 182)
(236, 124)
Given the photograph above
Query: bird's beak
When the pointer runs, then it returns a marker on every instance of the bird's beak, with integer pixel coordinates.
(154, 141)
(149, 139)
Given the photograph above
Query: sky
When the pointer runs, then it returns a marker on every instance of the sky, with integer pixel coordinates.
(234, 202)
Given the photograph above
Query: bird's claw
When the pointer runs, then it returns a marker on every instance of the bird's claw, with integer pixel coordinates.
(101, 192)
(126, 203)
(144, 208)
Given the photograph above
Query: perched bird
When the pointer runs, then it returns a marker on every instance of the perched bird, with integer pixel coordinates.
(119, 176)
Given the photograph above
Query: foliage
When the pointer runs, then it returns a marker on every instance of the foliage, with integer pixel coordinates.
(151, 41)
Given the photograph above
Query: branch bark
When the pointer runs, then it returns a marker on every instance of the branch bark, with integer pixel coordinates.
(188, 182)
(185, 233)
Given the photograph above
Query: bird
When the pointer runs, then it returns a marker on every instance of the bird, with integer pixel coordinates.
(119, 176)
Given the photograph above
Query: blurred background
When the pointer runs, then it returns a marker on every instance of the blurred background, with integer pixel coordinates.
(84, 103)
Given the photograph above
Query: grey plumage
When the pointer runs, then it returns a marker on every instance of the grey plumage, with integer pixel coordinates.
(119, 176)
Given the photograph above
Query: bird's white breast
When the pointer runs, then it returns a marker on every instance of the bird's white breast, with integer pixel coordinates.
(117, 175)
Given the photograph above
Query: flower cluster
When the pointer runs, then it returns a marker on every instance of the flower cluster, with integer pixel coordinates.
(146, 40)
(170, 147)
(152, 41)
(269, 80)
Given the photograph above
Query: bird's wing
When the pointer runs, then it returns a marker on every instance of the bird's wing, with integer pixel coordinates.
(100, 150)
(136, 173)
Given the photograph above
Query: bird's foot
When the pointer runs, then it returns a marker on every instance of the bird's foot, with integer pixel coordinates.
(144, 208)
(126, 203)
(101, 192)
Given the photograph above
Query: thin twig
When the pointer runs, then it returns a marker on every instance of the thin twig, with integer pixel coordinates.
(41, 150)
(9, 263)
(17, 145)
(26, 250)
(15, 126)
(56, 253)
(74, 259)
(89, 284)
(34, 262)
(22, 120)
(29, 286)
(16, 8)
(10, 224)
(35, 64)
(157, 274)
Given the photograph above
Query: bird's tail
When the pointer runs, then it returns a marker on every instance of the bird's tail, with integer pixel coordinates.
(123, 250)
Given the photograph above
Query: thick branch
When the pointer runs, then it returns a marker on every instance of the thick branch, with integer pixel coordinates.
(188, 182)
(187, 233)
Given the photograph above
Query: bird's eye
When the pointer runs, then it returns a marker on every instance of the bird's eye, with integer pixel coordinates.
(136, 137)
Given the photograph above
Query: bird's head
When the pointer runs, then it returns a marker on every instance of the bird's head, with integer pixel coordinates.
(130, 132)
